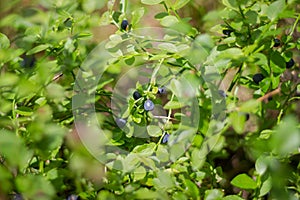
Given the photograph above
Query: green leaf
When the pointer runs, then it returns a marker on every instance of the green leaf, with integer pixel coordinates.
(238, 120)
(25, 111)
(249, 105)
(131, 162)
(13, 148)
(35, 187)
(277, 62)
(198, 158)
(8, 80)
(275, 9)
(91, 5)
(164, 180)
(179, 196)
(137, 15)
(139, 173)
(251, 17)
(154, 131)
(233, 4)
(82, 35)
(213, 194)
(191, 189)
(261, 165)
(232, 197)
(151, 2)
(266, 187)
(168, 47)
(130, 60)
(37, 49)
(176, 150)
(173, 105)
(145, 193)
(145, 149)
(162, 153)
(4, 41)
(168, 20)
(232, 53)
(161, 15)
(243, 181)
(180, 3)
(6, 179)
(286, 138)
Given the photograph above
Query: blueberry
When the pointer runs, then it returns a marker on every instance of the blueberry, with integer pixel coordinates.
(270, 98)
(73, 197)
(222, 93)
(290, 63)
(121, 122)
(136, 95)
(276, 42)
(165, 138)
(227, 32)
(247, 115)
(28, 61)
(148, 105)
(162, 90)
(257, 78)
(17, 197)
(124, 24)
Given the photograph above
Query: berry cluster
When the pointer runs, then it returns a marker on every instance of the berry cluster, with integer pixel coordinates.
(147, 103)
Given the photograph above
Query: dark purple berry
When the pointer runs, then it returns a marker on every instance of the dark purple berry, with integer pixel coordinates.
(121, 122)
(73, 197)
(257, 78)
(124, 24)
(227, 32)
(276, 42)
(165, 138)
(162, 90)
(148, 105)
(247, 115)
(222, 93)
(243, 114)
(136, 95)
(28, 61)
(17, 197)
(270, 98)
(290, 63)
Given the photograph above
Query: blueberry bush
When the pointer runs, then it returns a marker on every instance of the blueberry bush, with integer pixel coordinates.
(149, 99)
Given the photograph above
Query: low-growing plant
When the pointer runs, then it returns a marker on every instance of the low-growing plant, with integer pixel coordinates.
(94, 104)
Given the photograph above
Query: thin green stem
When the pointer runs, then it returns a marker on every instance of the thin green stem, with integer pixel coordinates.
(295, 25)
(170, 110)
(236, 78)
(123, 3)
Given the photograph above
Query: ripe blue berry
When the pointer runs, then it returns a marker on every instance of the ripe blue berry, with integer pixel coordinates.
(222, 93)
(148, 105)
(227, 32)
(17, 197)
(73, 197)
(121, 122)
(290, 63)
(136, 95)
(247, 116)
(28, 61)
(162, 90)
(257, 78)
(124, 24)
(276, 42)
(165, 138)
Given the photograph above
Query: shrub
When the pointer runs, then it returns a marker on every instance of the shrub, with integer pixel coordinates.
(176, 111)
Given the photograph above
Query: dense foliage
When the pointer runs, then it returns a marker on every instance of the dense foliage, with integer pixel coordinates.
(150, 99)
